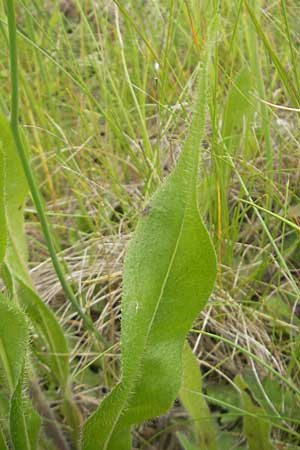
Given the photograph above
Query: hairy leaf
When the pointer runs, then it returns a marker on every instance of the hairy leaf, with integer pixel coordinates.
(45, 323)
(191, 397)
(3, 444)
(17, 276)
(13, 341)
(3, 230)
(16, 191)
(169, 272)
(14, 338)
(42, 318)
(24, 421)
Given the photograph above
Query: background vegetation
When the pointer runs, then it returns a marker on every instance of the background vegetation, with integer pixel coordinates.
(106, 90)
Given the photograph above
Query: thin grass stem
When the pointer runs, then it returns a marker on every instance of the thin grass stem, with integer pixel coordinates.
(36, 195)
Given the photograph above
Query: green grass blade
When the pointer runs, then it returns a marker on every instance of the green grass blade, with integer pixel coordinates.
(282, 219)
(291, 45)
(191, 398)
(27, 172)
(288, 83)
(169, 272)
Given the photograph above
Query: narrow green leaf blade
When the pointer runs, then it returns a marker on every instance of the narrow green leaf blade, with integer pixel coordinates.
(169, 272)
(3, 230)
(24, 421)
(16, 191)
(13, 341)
(47, 326)
(256, 429)
(238, 106)
(185, 442)
(285, 77)
(42, 318)
(191, 397)
(3, 444)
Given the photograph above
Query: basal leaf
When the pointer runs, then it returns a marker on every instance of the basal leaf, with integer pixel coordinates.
(14, 338)
(13, 341)
(16, 191)
(47, 326)
(3, 230)
(169, 272)
(271, 394)
(256, 427)
(185, 442)
(3, 444)
(24, 421)
(18, 281)
(42, 318)
(191, 397)
(56, 355)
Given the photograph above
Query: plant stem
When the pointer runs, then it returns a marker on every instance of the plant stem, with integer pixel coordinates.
(36, 195)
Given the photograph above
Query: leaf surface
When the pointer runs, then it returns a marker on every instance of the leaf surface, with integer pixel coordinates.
(3, 445)
(42, 318)
(18, 281)
(186, 443)
(191, 397)
(169, 272)
(14, 339)
(47, 326)
(256, 428)
(24, 421)
(3, 229)
(238, 106)
(16, 191)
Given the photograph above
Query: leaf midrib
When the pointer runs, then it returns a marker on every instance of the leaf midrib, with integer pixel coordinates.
(151, 323)
(190, 188)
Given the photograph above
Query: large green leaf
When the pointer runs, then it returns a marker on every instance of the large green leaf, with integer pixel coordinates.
(191, 397)
(169, 272)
